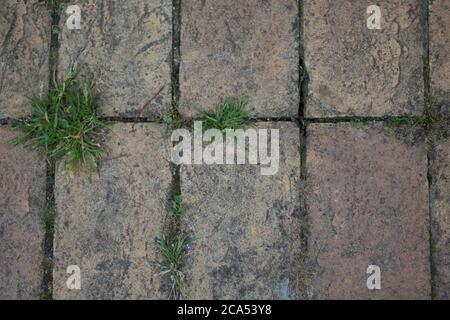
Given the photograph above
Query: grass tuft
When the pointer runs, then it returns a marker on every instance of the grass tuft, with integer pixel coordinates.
(229, 115)
(65, 124)
(172, 246)
(177, 209)
(172, 252)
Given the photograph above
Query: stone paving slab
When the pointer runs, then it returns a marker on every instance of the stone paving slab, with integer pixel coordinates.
(354, 71)
(126, 46)
(246, 226)
(440, 51)
(234, 47)
(24, 55)
(108, 226)
(441, 220)
(368, 205)
(22, 200)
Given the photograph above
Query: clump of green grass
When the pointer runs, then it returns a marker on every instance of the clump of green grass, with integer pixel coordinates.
(177, 209)
(56, 29)
(65, 124)
(172, 246)
(54, 5)
(172, 252)
(228, 115)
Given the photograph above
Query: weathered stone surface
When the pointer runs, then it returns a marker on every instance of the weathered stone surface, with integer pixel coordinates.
(108, 226)
(357, 71)
(22, 200)
(126, 47)
(24, 55)
(246, 226)
(440, 51)
(368, 205)
(238, 47)
(441, 220)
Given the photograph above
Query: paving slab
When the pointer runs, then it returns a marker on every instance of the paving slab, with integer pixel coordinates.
(22, 200)
(354, 71)
(25, 28)
(229, 48)
(441, 220)
(246, 226)
(440, 51)
(126, 47)
(368, 205)
(107, 225)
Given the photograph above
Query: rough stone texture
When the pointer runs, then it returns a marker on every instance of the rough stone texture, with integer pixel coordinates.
(234, 47)
(22, 199)
(441, 220)
(24, 55)
(368, 204)
(357, 71)
(246, 227)
(108, 226)
(126, 47)
(440, 51)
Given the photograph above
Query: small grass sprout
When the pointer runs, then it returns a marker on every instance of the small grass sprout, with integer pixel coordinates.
(172, 252)
(229, 115)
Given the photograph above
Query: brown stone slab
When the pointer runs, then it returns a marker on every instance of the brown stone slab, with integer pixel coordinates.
(25, 28)
(441, 220)
(354, 71)
(126, 47)
(234, 47)
(368, 205)
(108, 226)
(22, 200)
(246, 226)
(440, 51)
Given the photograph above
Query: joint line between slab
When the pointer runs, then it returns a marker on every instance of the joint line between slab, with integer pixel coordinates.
(430, 142)
(47, 290)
